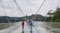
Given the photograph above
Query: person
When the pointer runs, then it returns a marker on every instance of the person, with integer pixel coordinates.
(30, 22)
(23, 27)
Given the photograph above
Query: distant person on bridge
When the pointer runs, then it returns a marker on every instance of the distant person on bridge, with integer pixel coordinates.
(22, 26)
(30, 22)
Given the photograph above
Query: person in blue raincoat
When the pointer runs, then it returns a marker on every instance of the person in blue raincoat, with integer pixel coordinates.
(30, 22)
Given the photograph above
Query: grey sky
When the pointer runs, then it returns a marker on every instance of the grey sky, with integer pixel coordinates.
(28, 6)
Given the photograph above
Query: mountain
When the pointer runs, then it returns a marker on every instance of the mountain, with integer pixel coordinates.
(35, 17)
(7, 18)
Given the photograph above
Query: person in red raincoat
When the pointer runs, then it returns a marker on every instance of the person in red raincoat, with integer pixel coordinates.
(23, 27)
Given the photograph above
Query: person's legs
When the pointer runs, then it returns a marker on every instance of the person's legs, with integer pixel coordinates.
(31, 29)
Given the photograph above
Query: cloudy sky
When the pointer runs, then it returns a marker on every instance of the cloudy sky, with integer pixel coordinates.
(29, 7)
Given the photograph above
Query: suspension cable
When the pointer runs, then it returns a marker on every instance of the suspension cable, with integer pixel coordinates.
(5, 13)
(18, 7)
(40, 6)
(58, 3)
(36, 11)
(11, 10)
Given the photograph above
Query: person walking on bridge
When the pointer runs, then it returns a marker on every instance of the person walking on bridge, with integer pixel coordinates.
(22, 26)
(30, 24)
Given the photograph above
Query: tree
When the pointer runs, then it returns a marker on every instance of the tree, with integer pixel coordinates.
(55, 16)
(50, 15)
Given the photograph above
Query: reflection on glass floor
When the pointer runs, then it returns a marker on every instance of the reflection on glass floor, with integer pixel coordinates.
(40, 27)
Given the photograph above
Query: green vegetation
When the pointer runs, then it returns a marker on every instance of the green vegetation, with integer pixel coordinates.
(54, 17)
(37, 17)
